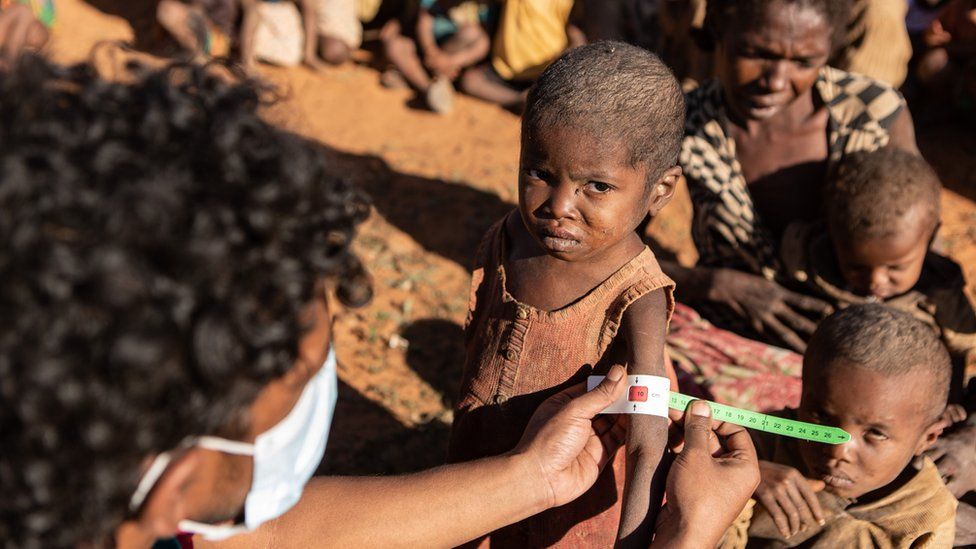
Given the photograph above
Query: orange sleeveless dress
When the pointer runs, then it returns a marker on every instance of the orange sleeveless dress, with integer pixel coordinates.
(517, 356)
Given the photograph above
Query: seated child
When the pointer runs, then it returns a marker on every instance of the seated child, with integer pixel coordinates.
(271, 31)
(882, 376)
(565, 280)
(882, 210)
(531, 34)
(451, 39)
(339, 26)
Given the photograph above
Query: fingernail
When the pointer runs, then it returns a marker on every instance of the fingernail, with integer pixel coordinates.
(615, 373)
(822, 522)
(701, 408)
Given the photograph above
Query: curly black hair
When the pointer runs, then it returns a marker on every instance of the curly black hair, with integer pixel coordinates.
(161, 241)
(724, 15)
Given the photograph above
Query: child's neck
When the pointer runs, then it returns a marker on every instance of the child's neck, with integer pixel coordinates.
(547, 283)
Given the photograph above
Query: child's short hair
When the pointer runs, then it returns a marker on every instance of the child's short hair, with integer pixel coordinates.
(884, 340)
(613, 89)
(871, 192)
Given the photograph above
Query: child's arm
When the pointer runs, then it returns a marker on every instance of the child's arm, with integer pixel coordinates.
(432, 54)
(643, 327)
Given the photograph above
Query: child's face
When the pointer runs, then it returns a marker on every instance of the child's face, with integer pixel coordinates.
(579, 195)
(887, 417)
(766, 65)
(888, 266)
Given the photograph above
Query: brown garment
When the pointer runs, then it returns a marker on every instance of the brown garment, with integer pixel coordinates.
(877, 41)
(517, 356)
(938, 298)
(919, 514)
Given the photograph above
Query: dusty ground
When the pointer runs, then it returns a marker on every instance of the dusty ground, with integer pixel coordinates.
(438, 183)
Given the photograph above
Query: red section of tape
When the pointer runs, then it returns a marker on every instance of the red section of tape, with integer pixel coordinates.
(638, 394)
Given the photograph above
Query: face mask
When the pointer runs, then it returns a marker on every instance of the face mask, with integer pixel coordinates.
(285, 457)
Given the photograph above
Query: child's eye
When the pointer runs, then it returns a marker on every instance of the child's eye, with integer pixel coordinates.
(598, 187)
(875, 435)
(536, 174)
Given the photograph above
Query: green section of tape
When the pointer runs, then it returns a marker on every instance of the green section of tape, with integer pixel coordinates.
(767, 423)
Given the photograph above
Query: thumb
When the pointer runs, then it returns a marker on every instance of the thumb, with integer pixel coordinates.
(698, 425)
(593, 402)
(816, 485)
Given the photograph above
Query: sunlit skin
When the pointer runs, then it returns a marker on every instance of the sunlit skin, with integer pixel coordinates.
(889, 425)
(773, 65)
(887, 266)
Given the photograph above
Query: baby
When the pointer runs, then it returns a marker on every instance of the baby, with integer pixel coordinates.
(882, 212)
(882, 376)
(563, 287)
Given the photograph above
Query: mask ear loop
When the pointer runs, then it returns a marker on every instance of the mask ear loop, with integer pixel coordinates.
(162, 461)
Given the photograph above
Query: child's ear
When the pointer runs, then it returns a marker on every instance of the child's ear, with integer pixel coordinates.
(663, 190)
(931, 434)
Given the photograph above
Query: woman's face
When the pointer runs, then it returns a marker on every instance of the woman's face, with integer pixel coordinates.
(766, 64)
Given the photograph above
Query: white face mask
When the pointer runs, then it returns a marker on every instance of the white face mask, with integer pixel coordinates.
(285, 457)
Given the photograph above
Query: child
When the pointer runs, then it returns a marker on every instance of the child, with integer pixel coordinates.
(882, 211)
(565, 279)
(270, 31)
(531, 34)
(882, 376)
(451, 39)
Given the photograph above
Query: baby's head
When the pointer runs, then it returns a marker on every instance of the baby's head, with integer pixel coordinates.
(600, 139)
(882, 212)
(882, 376)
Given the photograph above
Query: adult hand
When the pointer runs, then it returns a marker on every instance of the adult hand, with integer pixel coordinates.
(772, 309)
(564, 443)
(955, 456)
(790, 498)
(710, 481)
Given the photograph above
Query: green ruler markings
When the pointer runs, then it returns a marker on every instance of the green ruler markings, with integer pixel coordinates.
(767, 423)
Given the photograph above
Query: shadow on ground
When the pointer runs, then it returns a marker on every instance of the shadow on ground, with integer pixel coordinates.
(444, 217)
(366, 440)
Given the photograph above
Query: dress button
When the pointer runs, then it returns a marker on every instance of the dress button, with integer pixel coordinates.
(501, 399)
(511, 354)
(521, 313)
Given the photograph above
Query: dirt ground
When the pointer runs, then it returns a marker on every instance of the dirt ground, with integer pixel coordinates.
(437, 183)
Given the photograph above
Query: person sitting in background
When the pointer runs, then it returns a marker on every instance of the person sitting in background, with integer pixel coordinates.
(451, 38)
(339, 26)
(273, 32)
(882, 212)
(883, 377)
(531, 34)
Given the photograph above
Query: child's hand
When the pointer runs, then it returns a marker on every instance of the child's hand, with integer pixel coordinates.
(935, 35)
(790, 498)
(442, 64)
(955, 455)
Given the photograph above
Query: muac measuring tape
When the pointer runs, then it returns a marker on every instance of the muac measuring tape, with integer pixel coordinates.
(646, 395)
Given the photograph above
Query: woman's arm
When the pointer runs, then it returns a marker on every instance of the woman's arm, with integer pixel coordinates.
(560, 455)
(643, 326)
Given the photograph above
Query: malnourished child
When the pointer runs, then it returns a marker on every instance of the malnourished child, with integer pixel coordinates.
(563, 287)
(883, 377)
